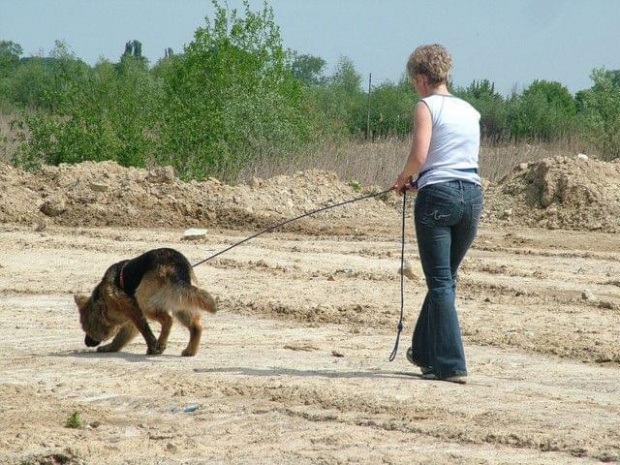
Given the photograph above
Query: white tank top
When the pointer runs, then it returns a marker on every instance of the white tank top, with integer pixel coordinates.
(455, 141)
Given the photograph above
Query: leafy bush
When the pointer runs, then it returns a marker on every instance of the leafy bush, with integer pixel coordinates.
(105, 113)
(232, 98)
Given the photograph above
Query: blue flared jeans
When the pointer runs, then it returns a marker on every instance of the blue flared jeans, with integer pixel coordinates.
(446, 222)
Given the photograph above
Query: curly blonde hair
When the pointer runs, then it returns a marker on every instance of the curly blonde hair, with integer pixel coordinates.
(433, 61)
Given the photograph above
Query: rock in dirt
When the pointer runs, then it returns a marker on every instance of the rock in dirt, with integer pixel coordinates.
(305, 347)
(588, 296)
(53, 207)
(193, 234)
(99, 186)
(162, 175)
(407, 270)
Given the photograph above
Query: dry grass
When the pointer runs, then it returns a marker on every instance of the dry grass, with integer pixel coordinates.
(8, 144)
(369, 163)
(378, 163)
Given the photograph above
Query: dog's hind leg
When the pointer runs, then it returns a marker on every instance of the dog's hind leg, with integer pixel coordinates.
(191, 320)
(127, 332)
(166, 324)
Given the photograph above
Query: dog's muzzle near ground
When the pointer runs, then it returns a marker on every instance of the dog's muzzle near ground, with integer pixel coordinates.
(90, 342)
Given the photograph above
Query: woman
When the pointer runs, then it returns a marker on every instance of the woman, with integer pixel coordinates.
(444, 159)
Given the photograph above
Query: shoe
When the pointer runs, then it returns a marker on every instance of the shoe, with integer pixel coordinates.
(427, 371)
(455, 379)
(424, 370)
(458, 379)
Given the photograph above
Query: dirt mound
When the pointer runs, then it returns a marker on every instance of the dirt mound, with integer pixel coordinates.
(559, 193)
(106, 194)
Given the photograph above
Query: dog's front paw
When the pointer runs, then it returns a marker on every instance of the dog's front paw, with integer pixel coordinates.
(188, 353)
(156, 350)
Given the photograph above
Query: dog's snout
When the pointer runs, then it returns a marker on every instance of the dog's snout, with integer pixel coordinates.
(90, 342)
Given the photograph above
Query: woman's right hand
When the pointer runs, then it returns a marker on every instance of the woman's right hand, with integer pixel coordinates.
(402, 184)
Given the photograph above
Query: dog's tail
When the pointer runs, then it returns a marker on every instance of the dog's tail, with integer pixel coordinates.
(179, 294)
(188, 296)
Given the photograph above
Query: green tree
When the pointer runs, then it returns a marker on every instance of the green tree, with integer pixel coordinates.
(600, 112)
(36, 80)
(10, 52)
(545, 110)
(31, 84)
(346, 78)
(555, 94)
(391, 108)
(308, 69)
(94, 114)
(342, 100)
(231, 97)
(492, 107)
(165, 66)
(133, 52)
(133, 48)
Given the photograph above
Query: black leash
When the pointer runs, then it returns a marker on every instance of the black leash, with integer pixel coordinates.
(402, 253)
(275, 226)
(402, 281)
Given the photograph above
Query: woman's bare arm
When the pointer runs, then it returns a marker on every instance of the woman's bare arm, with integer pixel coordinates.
(422, 130)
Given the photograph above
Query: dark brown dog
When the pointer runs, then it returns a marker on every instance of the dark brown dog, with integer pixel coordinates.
(157, 285)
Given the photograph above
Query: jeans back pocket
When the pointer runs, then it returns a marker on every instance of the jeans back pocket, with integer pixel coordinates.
(437, 206)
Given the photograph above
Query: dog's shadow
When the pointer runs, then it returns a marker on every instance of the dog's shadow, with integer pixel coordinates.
(241, 371)
(126, 356)
(278, 371)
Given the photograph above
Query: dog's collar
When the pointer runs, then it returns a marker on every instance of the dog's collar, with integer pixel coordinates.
(121, 279)
(129, 274)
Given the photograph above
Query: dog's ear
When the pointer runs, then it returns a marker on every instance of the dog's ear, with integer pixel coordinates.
(80, 300)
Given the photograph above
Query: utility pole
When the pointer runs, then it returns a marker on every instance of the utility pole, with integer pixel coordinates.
(368, 116)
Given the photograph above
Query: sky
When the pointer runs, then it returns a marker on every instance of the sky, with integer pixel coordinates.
(509, 42)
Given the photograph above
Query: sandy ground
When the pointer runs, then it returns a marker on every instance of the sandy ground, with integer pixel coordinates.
(294, 368)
